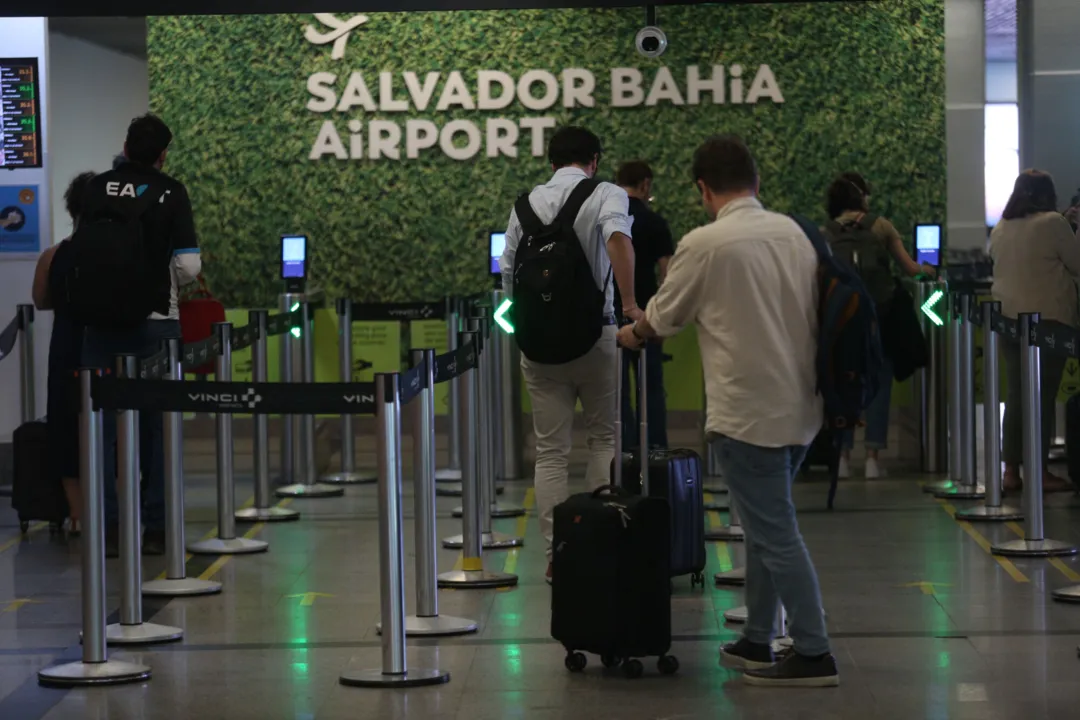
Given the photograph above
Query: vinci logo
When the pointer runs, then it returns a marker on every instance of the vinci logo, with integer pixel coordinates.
(229, 400)
(338, 33)
(115, 189)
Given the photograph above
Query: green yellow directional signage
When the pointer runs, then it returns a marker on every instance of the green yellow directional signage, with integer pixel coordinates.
(501, 319)
(930, 304)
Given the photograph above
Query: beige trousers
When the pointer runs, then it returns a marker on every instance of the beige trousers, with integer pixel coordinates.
(554, 391)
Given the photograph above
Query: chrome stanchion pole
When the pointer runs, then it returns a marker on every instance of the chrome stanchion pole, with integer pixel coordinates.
(394, 671)
(715, 484)
(285, 372)
(95, 668)
(472, 574)
(176, 581)
(731, 532)
(968, 487)
(452, 473)
(427, 620)
(993, 510)
(955, 412)
(226, 542)
(348, 474)
(617, 459)
(27, 389)
(131, 630)
(1034, 542)
(264, 509)
(307, 485)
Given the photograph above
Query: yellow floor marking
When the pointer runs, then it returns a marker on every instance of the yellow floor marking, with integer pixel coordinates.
(510, 566)
(224, 559)
(1070, 574)
(723, 553)
(927, 588)
(34, 527)
(981, 541)
(213, 531)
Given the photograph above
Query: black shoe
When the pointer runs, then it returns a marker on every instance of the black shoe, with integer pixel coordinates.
(797, 671)
(746, 655)
(153, 542)
(112, 542)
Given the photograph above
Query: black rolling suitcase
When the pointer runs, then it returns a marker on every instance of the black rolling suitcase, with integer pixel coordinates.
(611, 581)
(36, 494)
(674, 476)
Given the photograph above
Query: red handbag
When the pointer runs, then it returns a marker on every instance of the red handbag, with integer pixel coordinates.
(199, 310)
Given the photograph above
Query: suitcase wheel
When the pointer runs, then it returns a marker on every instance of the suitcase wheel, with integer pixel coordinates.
(697, 579)
(610, 661)
(576, 662)
(667, 664)
(633, 668)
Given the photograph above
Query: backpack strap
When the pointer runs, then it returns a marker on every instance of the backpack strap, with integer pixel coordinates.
(867, 221)
(812, 233)
(528, 218)
(570, 209)
(833, 228)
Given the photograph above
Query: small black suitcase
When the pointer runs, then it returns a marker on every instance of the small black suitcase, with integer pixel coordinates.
(611, 588)
(36, 494)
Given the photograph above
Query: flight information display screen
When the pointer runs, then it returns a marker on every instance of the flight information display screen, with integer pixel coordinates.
(20, 113)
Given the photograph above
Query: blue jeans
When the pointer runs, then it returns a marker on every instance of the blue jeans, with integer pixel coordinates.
(656, 399)
(877, 414)
(99, 351)
(778, 566)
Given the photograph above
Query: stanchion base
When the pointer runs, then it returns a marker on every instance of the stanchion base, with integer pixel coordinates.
(735, 578)
(268, 514)
(447, 475)
(1033, 548)
(715, 489)
(438, 626)
(142, 634)
(351, 478)
(737, 615)
(181, 586)
(716, 507)
(1067, 595)
(448, 489)
(410, 679)
(236, 546)
(492, 541)
(498, 510)
(479, 579)
(937, 486)
(727, 533)
(318, 490)
(982, 513)
(962, 492)
(110, 672)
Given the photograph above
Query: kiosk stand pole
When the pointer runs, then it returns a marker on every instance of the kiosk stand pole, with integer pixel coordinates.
(1034, 543)
(452, 473)
(95, 668)
(308, 485)
(288, 422)
(472, 574)
(348, 474)
(993, 510)
(394, 671)
(226, 542)
(26, 363)
(176, 581)
(968, 487)
(263, 510)
(504, 436)
(131, 630)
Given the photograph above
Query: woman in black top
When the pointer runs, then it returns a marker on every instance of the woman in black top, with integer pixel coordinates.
(65, 348)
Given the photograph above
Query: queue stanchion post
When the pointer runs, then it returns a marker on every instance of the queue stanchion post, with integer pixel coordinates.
(967, 486)
(394, 671)
(472, 574)
(452, 472)
(263, 509)
(714, 484)
(176, 581)
(27, 388)
(307, 485)
(732, 532)
(993, 510)
(226, 542)
(427, 620)
(95, 667)
(486, 465)
(1034, 543)
(131, 630)
(348, 475)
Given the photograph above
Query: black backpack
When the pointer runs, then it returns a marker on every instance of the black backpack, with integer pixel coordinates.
(855, 244)
(111, 274)
(558, 311)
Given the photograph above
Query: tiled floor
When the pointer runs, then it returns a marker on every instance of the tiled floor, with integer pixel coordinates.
(979, 643)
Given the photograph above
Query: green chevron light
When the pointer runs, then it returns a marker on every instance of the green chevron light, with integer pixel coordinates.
(928, 307)
(501, 319)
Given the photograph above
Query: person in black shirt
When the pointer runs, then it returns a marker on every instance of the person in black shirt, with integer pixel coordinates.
(653, 248)
(168, 229)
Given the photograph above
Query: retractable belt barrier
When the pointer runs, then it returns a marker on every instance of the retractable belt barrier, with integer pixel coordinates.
(376, 312)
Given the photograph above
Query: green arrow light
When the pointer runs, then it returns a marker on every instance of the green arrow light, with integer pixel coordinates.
(296, 330)
(928, 308)
(501, 319)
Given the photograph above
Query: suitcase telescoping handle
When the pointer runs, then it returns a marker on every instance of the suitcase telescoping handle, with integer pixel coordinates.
(643, 438)
(616, 463)
(608, 490)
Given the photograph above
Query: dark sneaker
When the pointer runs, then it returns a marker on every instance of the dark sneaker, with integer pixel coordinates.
(112, 542)
(796, 671)
(746, 655)
(153, 542)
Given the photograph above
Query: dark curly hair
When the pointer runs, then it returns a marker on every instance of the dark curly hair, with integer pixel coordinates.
(73, 196)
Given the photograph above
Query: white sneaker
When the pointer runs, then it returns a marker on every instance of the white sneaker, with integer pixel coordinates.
(845, 469)
(873, 470)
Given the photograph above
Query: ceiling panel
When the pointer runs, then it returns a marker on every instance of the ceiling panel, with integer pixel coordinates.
(122, 34)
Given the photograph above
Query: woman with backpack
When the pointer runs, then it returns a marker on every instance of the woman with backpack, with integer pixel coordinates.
(871, 245)
(1036, 263)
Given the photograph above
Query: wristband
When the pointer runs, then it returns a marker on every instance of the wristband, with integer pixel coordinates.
(634, 332)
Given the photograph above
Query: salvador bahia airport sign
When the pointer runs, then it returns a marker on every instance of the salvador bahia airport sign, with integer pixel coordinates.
(347, 93)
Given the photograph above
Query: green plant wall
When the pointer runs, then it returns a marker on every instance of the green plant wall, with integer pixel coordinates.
(863, 85)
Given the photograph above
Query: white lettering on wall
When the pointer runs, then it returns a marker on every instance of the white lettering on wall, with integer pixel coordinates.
(484, 99)
(626, 87)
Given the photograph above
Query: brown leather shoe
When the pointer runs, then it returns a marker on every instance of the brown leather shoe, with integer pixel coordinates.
(1052, 483)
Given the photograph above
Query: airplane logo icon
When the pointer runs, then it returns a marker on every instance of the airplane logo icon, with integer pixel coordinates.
(339, 32)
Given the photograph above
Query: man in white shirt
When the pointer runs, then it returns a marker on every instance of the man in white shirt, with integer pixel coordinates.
(603, 227)
(749, 283)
